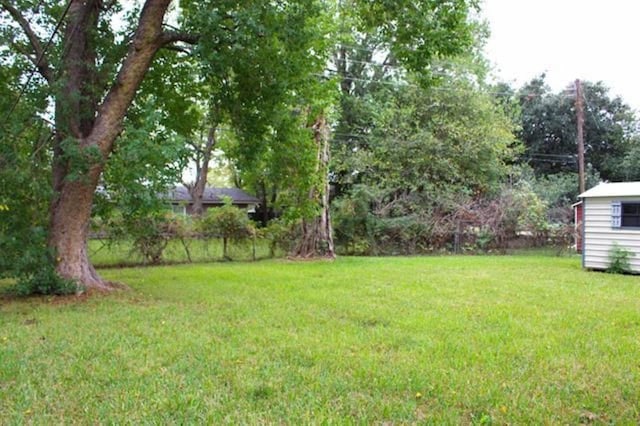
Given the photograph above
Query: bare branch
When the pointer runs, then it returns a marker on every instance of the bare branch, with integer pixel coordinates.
(39, 59)
(195, 146)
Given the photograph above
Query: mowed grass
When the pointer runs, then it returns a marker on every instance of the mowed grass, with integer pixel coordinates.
(444, 340)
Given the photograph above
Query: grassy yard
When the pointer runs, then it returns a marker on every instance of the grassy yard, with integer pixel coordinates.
(514, 339)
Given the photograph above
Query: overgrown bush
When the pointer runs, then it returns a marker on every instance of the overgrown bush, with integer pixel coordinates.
(43, 281)
(281, 236)
(484, 238)
(151, 234)
(25, 193)
(353, 223)
(30, 262)
(403, 235)
(561, 236)
(149, 231)
(409, 222)
(619, 260)
(227, 222)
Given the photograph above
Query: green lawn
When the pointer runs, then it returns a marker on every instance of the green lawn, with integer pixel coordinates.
(515, 339)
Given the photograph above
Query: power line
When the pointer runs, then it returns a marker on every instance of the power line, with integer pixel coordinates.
(407, 84)
(589, 109)
(543, 154)
(35, 67)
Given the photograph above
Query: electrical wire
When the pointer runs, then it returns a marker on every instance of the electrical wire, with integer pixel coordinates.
(35, 67)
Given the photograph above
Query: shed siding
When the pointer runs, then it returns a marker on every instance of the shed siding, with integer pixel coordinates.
(599, 236)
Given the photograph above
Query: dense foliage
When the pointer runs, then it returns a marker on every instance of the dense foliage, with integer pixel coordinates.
(25, 175)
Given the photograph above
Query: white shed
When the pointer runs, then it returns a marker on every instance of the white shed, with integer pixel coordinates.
(611, 215)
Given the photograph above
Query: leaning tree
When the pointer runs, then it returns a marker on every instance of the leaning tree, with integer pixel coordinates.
(93, 72)
(89, 102)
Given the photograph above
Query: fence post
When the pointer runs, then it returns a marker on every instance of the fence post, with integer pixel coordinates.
(456, 239)
(253, 240)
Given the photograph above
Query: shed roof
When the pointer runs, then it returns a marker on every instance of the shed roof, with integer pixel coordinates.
(613, 189)
(213, 195)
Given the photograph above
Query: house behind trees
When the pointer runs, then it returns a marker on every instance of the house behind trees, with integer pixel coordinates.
(182, 203)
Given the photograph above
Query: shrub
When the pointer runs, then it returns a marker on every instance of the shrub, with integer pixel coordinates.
(149, 231)
(43, 281)
(32, 264)
(150, 236)
(281, 236)
(353, 223)
(619, 260)
(484, 238)
(227, 222)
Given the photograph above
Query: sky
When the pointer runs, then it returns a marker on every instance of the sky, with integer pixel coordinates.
(593, 40)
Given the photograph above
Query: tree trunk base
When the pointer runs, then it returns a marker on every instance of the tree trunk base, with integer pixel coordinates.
(105, 287)
(316, 240)
(79, 269)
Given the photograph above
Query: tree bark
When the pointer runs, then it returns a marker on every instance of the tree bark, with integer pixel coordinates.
(317, 233)
(92, 128)
(69, 235)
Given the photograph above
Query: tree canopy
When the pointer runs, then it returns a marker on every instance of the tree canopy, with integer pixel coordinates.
(99, 88)
(548, 129)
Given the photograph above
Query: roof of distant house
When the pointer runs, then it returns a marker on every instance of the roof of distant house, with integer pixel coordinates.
(213, 195)
(613, 189)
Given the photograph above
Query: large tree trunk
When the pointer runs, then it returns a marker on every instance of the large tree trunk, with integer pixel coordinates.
(91, 127)
(317, 234)
(69, 234)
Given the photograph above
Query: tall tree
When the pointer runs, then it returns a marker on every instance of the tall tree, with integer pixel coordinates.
(90, 104)
(202, 158)
(548, 129)
(317, 234)
(398, 31)
(378, 44)
(93, 74)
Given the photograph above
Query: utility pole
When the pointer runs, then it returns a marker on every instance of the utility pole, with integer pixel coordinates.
(580, 133)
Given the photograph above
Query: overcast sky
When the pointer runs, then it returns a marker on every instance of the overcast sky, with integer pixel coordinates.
(593, 40)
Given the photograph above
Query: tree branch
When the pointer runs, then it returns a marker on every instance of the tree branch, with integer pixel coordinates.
(39, 59)
(147, 40)
(169, 37)
(177, 48)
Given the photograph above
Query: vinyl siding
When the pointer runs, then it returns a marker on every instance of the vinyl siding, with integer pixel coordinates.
(599, 236)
